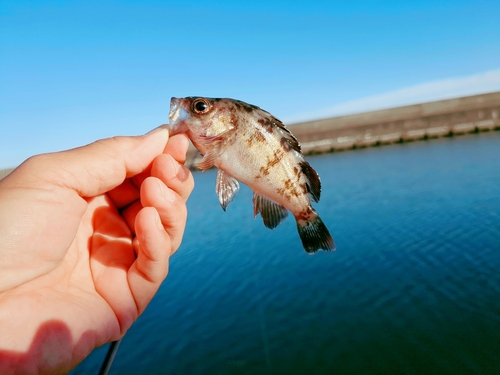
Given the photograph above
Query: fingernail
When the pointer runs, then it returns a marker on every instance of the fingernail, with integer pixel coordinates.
(177, 170)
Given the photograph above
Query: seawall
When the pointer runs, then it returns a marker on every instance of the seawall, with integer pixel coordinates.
(401, 124)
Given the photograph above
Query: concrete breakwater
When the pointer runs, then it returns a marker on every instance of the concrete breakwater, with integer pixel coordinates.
(402, 124)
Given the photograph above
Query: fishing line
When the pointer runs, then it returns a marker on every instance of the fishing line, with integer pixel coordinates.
(108, 361)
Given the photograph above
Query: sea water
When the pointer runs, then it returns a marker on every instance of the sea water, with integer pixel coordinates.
(413, 288)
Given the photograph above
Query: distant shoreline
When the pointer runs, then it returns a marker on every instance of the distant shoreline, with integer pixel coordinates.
(363, 140)
(401, 124)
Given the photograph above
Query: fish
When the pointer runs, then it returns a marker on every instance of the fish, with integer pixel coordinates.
(249, 145)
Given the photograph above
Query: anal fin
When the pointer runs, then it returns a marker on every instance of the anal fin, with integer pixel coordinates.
(226, 188)
(272, 213)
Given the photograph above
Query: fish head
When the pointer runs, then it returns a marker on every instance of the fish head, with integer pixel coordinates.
(191, 115)
(202, 117)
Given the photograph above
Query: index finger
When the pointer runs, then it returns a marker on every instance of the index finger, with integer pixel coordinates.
(177, 147)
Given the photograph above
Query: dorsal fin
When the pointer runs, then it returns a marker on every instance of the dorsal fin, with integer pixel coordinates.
(292, 141)
(271, 124)
(312, 181)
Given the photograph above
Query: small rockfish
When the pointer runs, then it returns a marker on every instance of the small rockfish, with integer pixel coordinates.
(248, 144)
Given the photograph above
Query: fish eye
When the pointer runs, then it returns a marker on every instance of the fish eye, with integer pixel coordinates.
(201, 106)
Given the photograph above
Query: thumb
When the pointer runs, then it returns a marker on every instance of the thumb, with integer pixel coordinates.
(98, 167)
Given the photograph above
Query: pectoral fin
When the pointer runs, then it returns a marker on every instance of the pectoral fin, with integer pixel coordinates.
(207, 162)
(209, 158)
(272, 213)
(226, 188)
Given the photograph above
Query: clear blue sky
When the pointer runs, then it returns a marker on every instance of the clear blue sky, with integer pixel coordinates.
(72, 72)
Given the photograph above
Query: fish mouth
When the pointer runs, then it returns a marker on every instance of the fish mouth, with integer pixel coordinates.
(176, 115)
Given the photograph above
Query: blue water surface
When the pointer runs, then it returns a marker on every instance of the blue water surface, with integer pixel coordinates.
(413, 288)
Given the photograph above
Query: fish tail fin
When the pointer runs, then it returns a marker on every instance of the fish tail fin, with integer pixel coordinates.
(314, 234)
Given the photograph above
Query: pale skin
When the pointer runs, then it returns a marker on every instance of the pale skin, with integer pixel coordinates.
(86, 239)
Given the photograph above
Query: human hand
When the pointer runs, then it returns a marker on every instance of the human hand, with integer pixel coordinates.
(86, 240)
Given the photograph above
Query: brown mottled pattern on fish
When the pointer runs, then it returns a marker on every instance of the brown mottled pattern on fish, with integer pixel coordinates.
(248, 144)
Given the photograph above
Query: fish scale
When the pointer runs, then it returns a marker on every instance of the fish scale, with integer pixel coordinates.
(249, 145)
